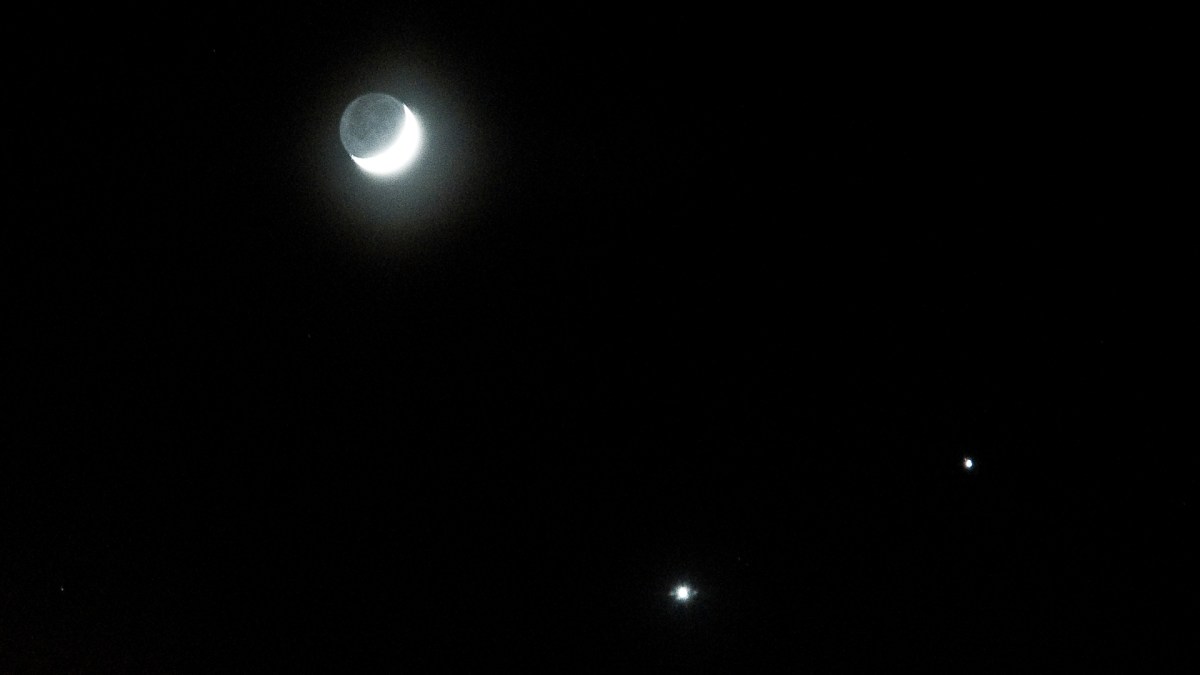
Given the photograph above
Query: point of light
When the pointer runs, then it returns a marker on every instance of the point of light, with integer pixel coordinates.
(683, 593)
(968, 463)
(401, 153)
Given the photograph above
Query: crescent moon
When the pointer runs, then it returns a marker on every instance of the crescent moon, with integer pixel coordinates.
(401, 153)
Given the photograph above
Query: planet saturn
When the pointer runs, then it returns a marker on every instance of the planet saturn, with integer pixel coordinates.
(381, 134)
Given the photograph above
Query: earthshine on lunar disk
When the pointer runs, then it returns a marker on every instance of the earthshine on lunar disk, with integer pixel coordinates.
(381, 134)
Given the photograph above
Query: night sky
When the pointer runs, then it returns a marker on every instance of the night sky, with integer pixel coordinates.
(716, 298)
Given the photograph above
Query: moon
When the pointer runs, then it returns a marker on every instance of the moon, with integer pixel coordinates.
(381, 134)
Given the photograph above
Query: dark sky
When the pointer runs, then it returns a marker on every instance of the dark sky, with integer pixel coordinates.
(722, 298)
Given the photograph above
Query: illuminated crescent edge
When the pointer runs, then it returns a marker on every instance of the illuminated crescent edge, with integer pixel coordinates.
(400, 154)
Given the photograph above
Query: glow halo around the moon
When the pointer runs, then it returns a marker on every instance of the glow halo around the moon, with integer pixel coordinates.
(400, 154)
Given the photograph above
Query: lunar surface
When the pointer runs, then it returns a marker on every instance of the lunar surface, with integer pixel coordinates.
(381, 134)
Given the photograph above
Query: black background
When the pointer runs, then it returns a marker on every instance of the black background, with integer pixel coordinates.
(721, 298)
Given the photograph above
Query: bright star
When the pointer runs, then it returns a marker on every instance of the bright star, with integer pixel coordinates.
(968, 463)
(683, 593)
